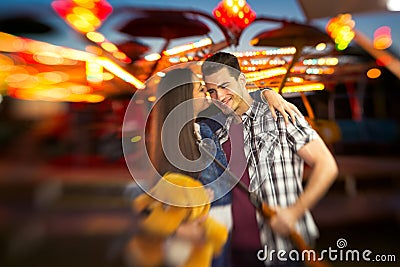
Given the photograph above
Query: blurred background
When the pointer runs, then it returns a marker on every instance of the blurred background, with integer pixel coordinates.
(69, 68)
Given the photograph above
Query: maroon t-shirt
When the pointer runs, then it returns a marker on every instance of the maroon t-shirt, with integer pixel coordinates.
(245, 233)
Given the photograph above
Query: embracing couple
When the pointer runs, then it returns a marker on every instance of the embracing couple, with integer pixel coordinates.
(255, 139)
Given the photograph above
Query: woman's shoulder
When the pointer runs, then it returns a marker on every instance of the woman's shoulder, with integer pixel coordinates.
(214, 122)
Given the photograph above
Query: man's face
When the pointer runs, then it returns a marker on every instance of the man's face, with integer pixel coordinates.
(225, 88)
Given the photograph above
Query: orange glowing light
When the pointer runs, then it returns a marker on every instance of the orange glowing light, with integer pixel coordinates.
(80, 89)
(152, 57)
(187, 47)
(48, 58)
(121, 56)
(52, 77)
(320, 46)
(94, 50)
(94, 98)
(95, 37)
(107, 76)
(151, 98)
(373, 73)
(10, 43)
(85, 3)
(382, 38)
(17, 78)
(5, 61)
(109, 47)
(301, 88)
(69, 92)
(20, 80)
(265, 74)
(120, 72)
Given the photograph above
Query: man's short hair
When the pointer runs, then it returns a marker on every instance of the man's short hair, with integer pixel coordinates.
(225, 60)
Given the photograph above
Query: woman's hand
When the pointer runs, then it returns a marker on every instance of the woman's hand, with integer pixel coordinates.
(193, 230)
(210, 194)
(277, 102)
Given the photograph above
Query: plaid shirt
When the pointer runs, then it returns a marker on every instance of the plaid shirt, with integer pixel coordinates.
(274, 167)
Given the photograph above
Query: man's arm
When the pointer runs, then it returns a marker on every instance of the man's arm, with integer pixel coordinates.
(323, 172)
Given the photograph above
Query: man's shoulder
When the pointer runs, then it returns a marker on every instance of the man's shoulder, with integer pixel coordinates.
(256, 95)
(260, 108)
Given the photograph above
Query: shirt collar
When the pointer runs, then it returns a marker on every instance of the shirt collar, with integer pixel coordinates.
(256, 109)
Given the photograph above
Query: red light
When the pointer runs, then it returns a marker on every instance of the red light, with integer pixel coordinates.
(234, 14)
(383, 60)
(99, 10)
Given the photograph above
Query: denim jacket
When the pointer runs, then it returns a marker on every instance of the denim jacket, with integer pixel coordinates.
(213, 176)
(208, 128)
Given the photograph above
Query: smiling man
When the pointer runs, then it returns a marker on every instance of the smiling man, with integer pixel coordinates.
(273, 154)
(224, 86)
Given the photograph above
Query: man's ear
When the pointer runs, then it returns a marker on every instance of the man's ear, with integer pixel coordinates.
(242, 80)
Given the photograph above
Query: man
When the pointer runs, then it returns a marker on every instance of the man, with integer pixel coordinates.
(274, 153)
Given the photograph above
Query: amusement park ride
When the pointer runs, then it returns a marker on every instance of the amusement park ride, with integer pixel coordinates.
(292, 58)
(295, 59)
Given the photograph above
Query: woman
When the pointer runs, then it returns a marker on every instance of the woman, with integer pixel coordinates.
(183, 103)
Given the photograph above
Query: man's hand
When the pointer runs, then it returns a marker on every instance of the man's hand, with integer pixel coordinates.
(284, 221)
(277, 102)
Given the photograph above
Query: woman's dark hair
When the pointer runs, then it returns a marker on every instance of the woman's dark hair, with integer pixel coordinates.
(175, 88)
